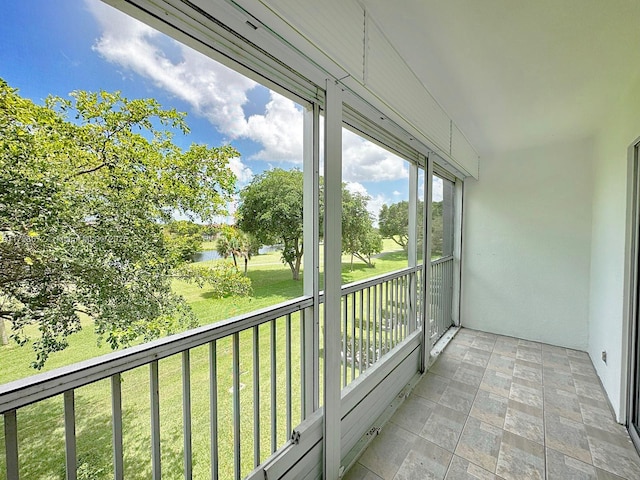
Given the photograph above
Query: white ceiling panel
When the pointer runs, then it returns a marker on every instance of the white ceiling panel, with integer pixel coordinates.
(336, 25)
(463, 152)
(389, 77)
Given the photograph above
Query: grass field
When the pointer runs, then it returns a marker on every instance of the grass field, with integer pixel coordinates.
(41, 433)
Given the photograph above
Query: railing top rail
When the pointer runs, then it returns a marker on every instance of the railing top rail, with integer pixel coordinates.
(38, 387)
(441, 260)
(369, 282)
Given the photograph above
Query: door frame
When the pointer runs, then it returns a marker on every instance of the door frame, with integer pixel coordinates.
(632, 294)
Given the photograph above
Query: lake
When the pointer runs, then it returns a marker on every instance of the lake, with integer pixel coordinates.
(207, 255)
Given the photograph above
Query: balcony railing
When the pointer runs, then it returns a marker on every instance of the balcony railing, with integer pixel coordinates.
(376, 317)
(240, 385)
(441, 296)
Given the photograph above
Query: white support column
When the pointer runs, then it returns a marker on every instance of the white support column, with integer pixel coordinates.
(311, 272)
(457, 249)
(426, 283)
(412, 243)
(332, 277)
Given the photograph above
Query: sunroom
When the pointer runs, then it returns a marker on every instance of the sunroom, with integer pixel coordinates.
(519, 326)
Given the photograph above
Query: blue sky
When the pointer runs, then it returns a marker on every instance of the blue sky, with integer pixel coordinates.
(55, 47)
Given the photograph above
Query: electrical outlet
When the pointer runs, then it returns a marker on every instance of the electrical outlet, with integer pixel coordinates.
(604, 356)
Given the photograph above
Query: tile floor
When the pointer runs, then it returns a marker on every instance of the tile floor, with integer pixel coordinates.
(494, 407)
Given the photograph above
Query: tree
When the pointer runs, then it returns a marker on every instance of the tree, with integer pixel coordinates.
(85, 186)
(393, 221)
(359, 239)
(184, 238)
(437, 232)
(271, 210)
(235, 243)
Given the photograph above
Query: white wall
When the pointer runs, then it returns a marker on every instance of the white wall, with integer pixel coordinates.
(527, 244)
(607, 327)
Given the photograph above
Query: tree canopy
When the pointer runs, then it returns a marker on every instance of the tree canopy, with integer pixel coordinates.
(393, 222)
(359, 238)
(86, 184)
(271, 210)
(233, 242)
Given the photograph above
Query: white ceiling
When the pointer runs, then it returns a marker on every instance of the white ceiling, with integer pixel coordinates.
(517, 73)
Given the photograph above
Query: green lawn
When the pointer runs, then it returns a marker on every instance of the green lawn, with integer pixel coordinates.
(42, 455)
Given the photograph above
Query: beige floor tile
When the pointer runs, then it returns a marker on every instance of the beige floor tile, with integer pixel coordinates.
(469, 374)
(425, 460)
(561, 402)
(613, 453)
(490, 408)
(495, 407)
(458, 396)
(525, 420)
(501, 363)
(443, 427)
(431, 386)
(413, 413)
(533, 355)
(530, 394)
(358, 472)
(461, 469)
(477, 357)
(559, 380)
(387, 451)
(563, 467)
(480, 444)
(567, 436)
(528, 371)
(497, 382)
(520, 458)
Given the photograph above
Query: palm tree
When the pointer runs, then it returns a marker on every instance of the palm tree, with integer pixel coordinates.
(234, 243)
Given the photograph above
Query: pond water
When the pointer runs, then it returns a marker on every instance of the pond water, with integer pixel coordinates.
(206, 255)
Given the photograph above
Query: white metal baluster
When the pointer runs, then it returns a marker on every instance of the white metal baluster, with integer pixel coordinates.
(116, 415)
(368, 360)
(303, 370)
(345, 329)
(353, 335)
(288, 370)
(156, 467)
(274, 421)
(439, 301)
(450, 290)
(376, 345)
(394, 309)
(388, 320)
(378, 290)
(70, 434)
(213, 407)
(361, 333)
(256, 396)
(186, 414)
(11, 444)
(236, 405)
(405, 305)
(400, 307)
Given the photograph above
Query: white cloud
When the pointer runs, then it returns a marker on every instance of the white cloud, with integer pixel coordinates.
(355, 187)
(279, 130)
(396, 193)
(214, 91)
(241, 171)
(363, 160)
(437, 189)
(218, 94)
